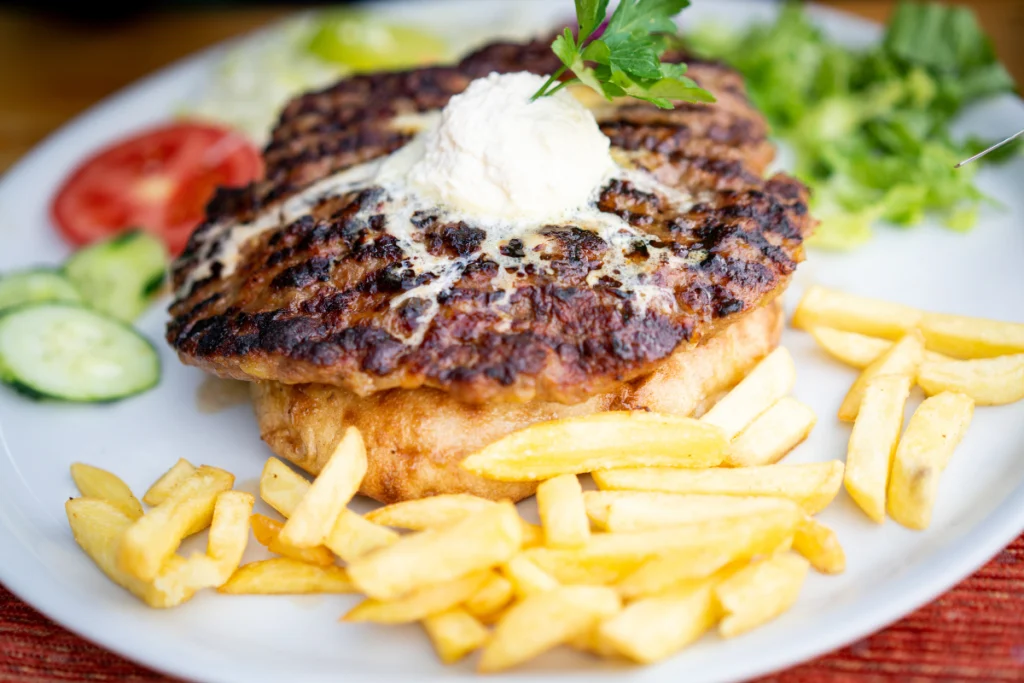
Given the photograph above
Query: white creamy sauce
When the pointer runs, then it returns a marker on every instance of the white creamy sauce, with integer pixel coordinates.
(418, 177)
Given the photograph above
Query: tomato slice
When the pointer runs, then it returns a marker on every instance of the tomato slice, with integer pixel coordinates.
(159, 180)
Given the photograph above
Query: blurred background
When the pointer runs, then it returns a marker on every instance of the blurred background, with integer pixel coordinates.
(59, 57)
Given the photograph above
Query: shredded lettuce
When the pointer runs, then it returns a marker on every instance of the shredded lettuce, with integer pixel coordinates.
(870, 128)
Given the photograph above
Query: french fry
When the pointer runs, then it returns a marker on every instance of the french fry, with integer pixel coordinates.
(314, 518)
(168, 481)
(989, 381)
(98, 527)
(267, 532)
(657, 627)
(664, 572)
(812, 485)
(491, 597)
(608, 558)
(562, 514)
(963, 337)
(440, 510)
(353, 536)
(771, 436)
(229, 534)
(542, 621)
(526, 577)
(822, 307)
(591, 641)
(427, 513)
(873, 442)
(94, 482)
(455, 633)
(285, 576)
(480, 541)
(858, 350)
(599, 441)
(933, 433)
(760, 592)
(820, 546)
(772, 379)
(903, 358)
(637, 513)
(421, 603)
(229, 531)
(854, 349)
(154, 537)
(281, 487)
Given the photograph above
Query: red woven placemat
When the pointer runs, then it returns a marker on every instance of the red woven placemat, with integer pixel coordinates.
(973, 633)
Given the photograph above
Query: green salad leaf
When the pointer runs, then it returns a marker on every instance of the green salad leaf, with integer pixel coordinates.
(871, 128)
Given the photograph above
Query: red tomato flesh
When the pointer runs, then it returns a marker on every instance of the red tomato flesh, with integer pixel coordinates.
(159, 180)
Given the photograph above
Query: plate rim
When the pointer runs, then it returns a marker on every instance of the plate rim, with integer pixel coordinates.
(898, 598)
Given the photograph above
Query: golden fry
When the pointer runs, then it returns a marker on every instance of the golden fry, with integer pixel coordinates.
(659, 626)
(526, 577)
(771, 436)
(490, 598)
(989, 382)
(639, 514)
(455, 633)
(822, 307)
(608, 558)
(314, 518)
(760, 592)
(873, 442)
(441, 510)
(154, 537)
(820, 545)
(903, 358)
(599, 441)
(94, 482)
(353, 536)
(229, 534)
(281, 487)
(661, 573)
(562, 513)
(772, 379)
(933, 433)
(426, 513)
(168, 481)
(421, 603)
(285, 576)
(267, 532)
(964, 337)
(477, 542)
(542, 621)
(98, 528)
(812, 485)
(858, 350)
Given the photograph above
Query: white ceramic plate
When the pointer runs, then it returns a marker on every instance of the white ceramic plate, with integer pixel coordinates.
(215, 638)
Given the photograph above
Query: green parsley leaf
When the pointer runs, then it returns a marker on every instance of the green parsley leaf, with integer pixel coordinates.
(590, 14)
(626, 58)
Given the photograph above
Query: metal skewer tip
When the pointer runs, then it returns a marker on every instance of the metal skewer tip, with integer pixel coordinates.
(993, 147)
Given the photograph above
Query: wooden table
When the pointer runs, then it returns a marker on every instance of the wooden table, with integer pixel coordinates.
(51, 71)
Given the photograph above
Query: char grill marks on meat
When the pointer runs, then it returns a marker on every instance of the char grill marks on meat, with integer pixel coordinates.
(332, 297)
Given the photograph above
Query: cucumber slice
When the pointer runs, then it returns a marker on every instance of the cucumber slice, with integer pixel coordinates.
(35, 285)
(120, 276)
(71, 353)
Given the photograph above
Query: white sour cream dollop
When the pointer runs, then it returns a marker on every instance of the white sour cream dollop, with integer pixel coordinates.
(494, 154)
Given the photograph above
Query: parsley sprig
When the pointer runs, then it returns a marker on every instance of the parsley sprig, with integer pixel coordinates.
(625, 59)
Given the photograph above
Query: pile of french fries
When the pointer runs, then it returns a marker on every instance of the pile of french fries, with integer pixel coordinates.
(693, 525)
(958, 361)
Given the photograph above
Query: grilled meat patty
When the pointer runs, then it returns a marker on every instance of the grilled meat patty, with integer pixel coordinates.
(323, 292)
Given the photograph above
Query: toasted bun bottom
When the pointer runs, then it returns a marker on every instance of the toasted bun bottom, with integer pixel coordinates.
(415, 439)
